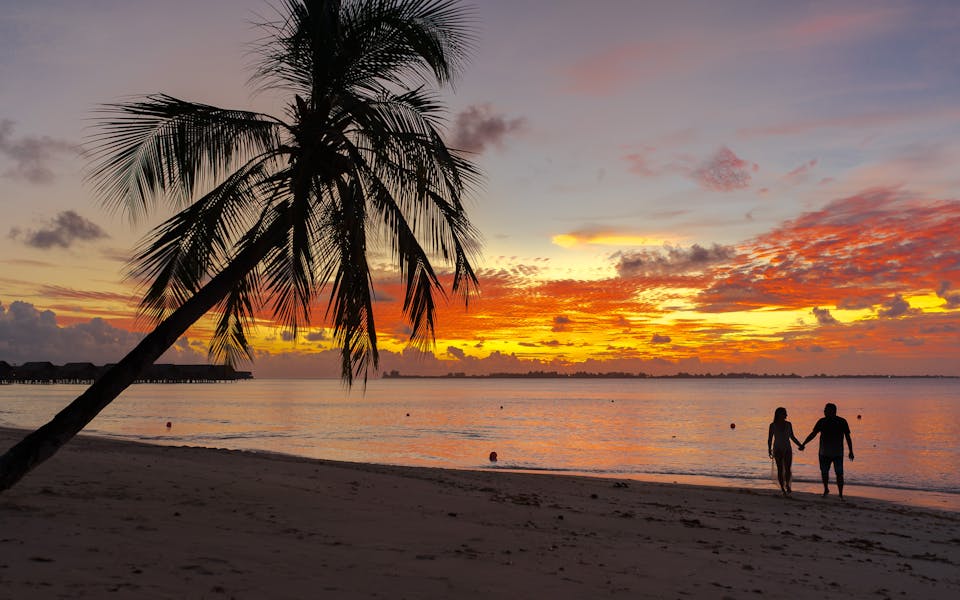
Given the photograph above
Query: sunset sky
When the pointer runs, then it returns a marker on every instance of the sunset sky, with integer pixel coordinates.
(669, 186)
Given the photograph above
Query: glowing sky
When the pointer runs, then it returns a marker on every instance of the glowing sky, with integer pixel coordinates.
(670, 186)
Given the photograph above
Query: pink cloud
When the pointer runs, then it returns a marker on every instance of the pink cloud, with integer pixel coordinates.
(802, 172)
(662, 155)
(838, 27)
(608, 71)
(724, 172)
(640, 164)
(858, 121)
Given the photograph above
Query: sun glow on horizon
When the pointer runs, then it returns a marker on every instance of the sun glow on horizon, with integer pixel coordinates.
(613, 239)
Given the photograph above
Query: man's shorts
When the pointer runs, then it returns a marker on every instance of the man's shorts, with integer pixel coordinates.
(836, 461)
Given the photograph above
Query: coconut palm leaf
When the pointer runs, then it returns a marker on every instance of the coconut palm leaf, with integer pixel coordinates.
(229, 342)
(182, 252)
(162, 147)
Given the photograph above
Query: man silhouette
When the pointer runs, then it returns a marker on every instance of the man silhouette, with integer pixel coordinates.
(832, 430)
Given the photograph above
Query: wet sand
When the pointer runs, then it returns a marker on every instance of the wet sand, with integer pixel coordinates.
(107, 518)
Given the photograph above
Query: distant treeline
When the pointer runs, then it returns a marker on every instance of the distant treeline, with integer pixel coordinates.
(84, 372)
(623, 375)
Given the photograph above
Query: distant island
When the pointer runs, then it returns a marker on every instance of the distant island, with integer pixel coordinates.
(624, 375)
(42, 372)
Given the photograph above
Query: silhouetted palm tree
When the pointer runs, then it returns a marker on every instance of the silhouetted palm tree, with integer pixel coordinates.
(282, 210)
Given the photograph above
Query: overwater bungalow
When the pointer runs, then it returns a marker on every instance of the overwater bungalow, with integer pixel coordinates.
(85, 372)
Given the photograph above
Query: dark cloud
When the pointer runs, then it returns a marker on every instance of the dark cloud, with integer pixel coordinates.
(724, 172)
(478, 127)
(909, 341)
(824, 317)
(659, 339)
(31, 155)
(940, 328)
(895, 307)
(28, 334)
(561, 323)
(860, 302)
(952, 298)
(62, 231)
(671, 260)
(287, 335)
(455, 352)
(317, 336)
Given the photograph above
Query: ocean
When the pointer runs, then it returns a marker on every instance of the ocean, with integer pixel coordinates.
(905, 431)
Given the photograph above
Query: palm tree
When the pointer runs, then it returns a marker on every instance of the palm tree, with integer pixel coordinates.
(275, 212)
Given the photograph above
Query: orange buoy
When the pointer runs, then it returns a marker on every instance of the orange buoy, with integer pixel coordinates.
(493, 457)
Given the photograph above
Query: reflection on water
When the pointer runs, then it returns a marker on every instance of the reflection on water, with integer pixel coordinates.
(906, 436)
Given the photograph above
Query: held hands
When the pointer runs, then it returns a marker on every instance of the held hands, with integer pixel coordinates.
(770, 453)
(800, 447)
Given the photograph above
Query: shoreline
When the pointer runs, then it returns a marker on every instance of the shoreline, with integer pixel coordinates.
(912, 497)
(908, 497)
(149, 521)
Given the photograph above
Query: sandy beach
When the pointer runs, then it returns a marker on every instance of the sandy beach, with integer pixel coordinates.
(118, 519)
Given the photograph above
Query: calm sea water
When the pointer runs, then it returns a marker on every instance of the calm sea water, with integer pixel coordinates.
(905, 431)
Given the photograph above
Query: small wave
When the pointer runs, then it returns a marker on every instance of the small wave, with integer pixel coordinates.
(454, 433)
(201, 439)
(248, 435)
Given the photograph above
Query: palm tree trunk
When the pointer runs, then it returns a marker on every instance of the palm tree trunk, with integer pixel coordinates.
(45, 441)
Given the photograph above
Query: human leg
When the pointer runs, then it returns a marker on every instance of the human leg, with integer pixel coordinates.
(788, 470)
(838, 469)
(825, 473)
(778, 458)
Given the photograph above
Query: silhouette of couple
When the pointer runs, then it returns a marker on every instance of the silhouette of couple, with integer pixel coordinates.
(832, 430)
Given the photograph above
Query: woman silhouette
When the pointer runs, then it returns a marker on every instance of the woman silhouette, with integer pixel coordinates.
(779, 448)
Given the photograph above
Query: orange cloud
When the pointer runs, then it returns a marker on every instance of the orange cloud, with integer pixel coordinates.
(865, 284)
(853, 252)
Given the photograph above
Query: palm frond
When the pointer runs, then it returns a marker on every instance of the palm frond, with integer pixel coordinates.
(288, 47)
(463, 239)
(187, 248)
(401, 41)
(415, 186)
(164, 148)
(420, 280)
(343, 244)
(229, 341)
(315, 48)
(290, 270)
